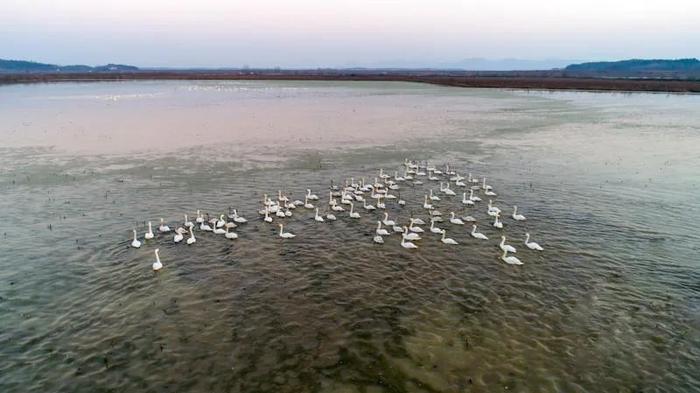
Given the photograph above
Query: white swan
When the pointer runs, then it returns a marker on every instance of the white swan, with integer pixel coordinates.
(532, 245)
(149, 235)
(387, 221)
(381, 231)
(267, 216)
(337, 208)
(317, 217)
(417, 221)
(157, 265)
(492, 210)
(468, 218)
(448, 191)
(413, 228)
(380, 204)
(433, 228)
(455, 220)
(204, 226)
(409, 236)
(135, 243)
(330, 217)
(489, 193)
(378, 239)
(506, 247)
(310, 196)
(447, 240)
(200, 218)
(285, 235)
(433, 197)
(307, 204)
(497, 223)
(237, 218)
(485, 186)
(220, 222)
(478, 235)
(188, 223)
(510, 260)
(219, 231)
(426, 205)
(516, 216)
(230, 235)
(366, 206)
(178, 236)
(466, 201)
(163, 228)
(407, 244)
(191, 239)
(353, 214)
(473, 197)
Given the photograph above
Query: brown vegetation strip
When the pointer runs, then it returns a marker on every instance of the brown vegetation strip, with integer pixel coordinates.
(504, 80)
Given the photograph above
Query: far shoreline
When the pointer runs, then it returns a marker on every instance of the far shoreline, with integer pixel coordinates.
(526, 80)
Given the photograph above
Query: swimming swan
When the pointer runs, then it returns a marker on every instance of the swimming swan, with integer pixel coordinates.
(510, 260)
(532, 245)
(381, 231)
(455, 220)
(353, 214)
(157, 265)
(230, 235)
(478, 235)
(135, 243)
(506, 247)
(407, 244)
(516, 216)
(285, 235)
(149, 235)
(163, 228)
(447, 240)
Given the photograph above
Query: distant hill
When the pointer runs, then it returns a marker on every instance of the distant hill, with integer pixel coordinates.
(637, 67)
(22, 66)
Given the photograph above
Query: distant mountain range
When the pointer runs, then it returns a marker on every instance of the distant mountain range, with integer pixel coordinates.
(16, 66)
(638, 67)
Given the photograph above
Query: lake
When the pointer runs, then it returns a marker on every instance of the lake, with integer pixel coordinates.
(609, 183)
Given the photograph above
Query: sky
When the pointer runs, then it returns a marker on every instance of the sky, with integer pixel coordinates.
(344, 33)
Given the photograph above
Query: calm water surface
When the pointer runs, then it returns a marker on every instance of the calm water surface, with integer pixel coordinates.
(610, 184)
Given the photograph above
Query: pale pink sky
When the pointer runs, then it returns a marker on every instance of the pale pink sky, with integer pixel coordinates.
(310, 33)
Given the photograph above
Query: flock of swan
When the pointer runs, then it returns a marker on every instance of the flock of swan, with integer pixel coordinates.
(349, 200)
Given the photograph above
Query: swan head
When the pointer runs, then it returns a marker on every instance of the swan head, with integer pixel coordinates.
(157, 250)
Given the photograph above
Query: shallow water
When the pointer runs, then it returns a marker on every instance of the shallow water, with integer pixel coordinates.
(609, 183)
